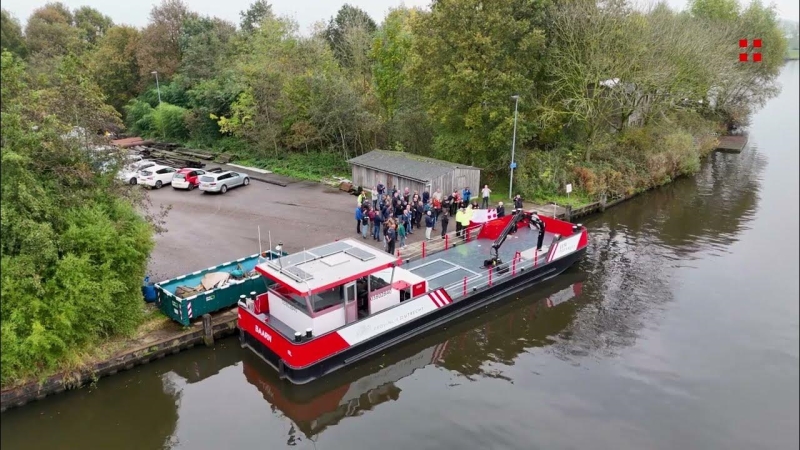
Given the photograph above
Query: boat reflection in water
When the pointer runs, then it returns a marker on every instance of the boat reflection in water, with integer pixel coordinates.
(315, 406)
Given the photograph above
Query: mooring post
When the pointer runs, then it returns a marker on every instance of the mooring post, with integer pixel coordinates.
(208, 330)
(445, 240)
(603, 199)
(569, 213)
(423, 249)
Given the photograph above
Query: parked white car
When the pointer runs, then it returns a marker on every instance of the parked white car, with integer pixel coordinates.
(222, 181)
(130, 173)
(156, 176)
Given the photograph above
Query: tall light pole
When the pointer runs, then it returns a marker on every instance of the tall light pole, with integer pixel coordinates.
(158, 88)
(513, 147)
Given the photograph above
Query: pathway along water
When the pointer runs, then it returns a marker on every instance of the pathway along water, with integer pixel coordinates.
(678, 331)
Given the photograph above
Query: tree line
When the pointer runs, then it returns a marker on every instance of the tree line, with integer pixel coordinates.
(612, 98)
(599, 81)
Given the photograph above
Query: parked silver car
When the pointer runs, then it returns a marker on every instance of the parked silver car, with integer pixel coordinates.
(221, 182)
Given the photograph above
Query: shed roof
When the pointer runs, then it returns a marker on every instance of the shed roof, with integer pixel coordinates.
(406, 165)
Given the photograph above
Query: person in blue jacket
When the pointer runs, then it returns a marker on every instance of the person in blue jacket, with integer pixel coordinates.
(359, 216)
(466, 194)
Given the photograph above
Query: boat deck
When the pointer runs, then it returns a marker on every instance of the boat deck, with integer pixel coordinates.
(466, 259)
(450, 266)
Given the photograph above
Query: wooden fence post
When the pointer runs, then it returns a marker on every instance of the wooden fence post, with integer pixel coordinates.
(208, 330)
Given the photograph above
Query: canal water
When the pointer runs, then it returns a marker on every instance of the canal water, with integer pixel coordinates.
(678, 331)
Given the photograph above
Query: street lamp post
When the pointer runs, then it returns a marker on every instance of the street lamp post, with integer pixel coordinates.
(513, 147)
(158, 88)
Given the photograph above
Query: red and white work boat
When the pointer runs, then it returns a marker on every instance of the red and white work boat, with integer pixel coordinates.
(339, 303)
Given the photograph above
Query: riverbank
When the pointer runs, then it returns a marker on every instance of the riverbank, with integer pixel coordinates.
(161, 337)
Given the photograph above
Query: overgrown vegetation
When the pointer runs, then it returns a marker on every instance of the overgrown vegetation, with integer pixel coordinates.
(74, 248)
(612, 99)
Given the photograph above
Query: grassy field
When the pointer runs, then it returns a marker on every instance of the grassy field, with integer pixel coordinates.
(305, 166)
(793, 53)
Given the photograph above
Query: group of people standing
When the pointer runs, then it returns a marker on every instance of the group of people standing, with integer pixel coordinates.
(391, 215)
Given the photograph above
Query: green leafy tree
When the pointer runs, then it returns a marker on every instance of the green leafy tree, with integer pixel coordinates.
(92, 23)
(74, 249)
(205, 45)
(11, 37)
(407, 124)
(115, 66)
(391, 52)
(722, 10)
(159, 45)
(50, 30)
(348, 34)
(471, 56)
(255, 14)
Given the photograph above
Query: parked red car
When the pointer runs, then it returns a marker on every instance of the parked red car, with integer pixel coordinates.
(187, 178)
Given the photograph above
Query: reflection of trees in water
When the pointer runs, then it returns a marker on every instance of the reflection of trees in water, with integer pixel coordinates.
(633, 245)
(709, 209)
(129, 411)
(136, 409)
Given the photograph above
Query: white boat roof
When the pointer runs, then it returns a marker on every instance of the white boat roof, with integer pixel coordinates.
(320, 268)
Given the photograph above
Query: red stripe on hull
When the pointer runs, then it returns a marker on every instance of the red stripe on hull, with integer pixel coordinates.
(440, 298)
(295, 355)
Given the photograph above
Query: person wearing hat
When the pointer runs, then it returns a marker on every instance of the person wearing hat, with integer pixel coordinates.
(537, 222)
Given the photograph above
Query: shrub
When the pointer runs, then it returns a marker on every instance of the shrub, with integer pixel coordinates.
(169, 122)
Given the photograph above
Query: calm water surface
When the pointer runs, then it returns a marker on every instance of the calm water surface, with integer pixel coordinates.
(678, 331)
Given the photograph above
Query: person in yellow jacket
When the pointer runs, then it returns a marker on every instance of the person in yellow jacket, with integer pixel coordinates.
(465, 219)
(361, 198)
(459, 219)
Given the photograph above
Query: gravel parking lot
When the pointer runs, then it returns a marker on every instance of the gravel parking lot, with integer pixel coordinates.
(207, 229)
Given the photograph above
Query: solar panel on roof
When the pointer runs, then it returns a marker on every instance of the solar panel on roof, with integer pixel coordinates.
(360, 254)
(298, 273)
(329, 249)
(291, 260)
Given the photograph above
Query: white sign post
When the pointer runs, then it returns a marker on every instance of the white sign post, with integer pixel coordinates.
(569, 189)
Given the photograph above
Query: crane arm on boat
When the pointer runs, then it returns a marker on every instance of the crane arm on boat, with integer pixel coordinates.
(510, 227)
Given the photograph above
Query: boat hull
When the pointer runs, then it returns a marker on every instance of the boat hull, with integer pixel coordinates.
(428, 322)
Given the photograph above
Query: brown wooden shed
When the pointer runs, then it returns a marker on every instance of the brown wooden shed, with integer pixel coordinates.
(415, 172)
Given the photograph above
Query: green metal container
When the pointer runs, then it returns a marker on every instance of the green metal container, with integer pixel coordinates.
(183, 310)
